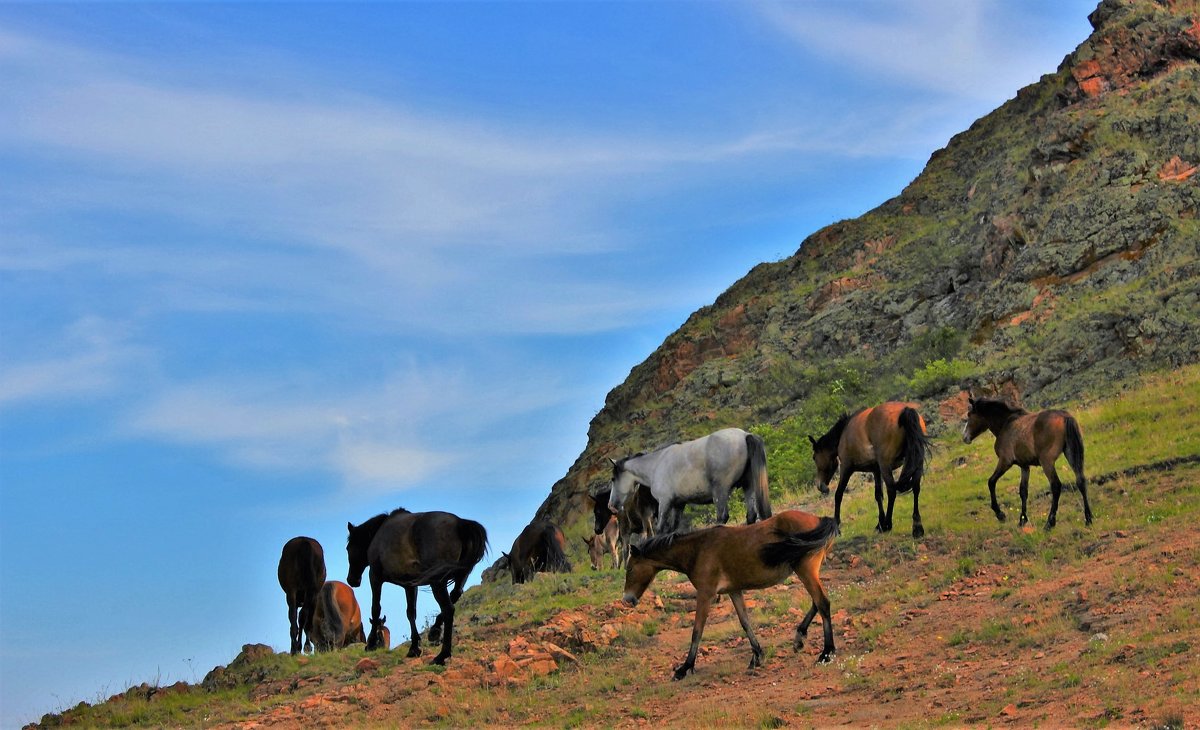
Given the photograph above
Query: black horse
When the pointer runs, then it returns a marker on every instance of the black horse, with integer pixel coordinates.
(411, 550)
(301, 576)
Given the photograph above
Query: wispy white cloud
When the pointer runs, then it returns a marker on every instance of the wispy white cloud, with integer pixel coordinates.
(91, 359)
(947, 46)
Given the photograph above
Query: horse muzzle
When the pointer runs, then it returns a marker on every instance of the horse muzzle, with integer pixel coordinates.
(822, 487)
(630, 600)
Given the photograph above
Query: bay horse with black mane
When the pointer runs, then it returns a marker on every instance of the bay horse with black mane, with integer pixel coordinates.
(732, 559)
(301, 575)
(1027, 439)
(876, 440)
(410, 550)
(337, 619)
(540, 548)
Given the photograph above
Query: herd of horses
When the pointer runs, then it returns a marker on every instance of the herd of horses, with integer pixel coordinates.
(646, 497)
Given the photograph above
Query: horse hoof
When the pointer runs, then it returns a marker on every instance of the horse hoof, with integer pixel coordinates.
(1000, 516)
(918, 532)
(682, 671)
(825, 657)
(414, 652)
(435, 636)
(439, 660)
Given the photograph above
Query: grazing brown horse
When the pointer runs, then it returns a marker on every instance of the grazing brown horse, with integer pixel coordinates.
(726, 559)
(337, 620)
(604, 543)
(380, 636)
(638, 515)
(301, 575)
(1027, 439)
(540, 548)
(876, 440)
(417, 549)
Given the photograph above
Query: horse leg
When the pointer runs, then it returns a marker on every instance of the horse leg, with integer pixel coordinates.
(843, 480)
(1024, 491)
(802, 628)
(879, 526)
(739, 605)
(721, 501)
(1055, 492)
(293, 624)
(410, 597)
(995, 477)
(306, 618)
(918, 529)
(447, 605)
(809, 573)
(890, 481)
(704, 600)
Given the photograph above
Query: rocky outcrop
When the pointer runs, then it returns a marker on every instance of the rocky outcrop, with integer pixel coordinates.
(1053, 245)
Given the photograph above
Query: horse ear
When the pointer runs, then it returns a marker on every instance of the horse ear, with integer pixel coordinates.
(812, 440)
(970, 401)
(635, 551)
(349, 527)
(612, 461)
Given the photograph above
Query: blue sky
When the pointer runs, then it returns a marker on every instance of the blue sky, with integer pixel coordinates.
(266, 268)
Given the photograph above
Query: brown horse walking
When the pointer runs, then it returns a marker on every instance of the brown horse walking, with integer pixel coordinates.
(540, 548)
(301, 574)
(337, 619)
(411, 550)
(726, 559)
(876, 440)
(1027, 439)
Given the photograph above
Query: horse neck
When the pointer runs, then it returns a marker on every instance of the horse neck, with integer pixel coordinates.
(642, 466)
(679, 555)
(368, 529)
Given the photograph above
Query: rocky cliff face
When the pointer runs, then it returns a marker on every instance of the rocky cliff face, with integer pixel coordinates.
(1053, 246)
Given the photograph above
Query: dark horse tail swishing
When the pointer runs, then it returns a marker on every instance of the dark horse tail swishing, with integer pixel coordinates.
(411, 550)
(876, 440)
(1025, 439)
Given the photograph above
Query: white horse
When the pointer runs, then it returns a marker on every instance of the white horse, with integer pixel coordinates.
(703, 471)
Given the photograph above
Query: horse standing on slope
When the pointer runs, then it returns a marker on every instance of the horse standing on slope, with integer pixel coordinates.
(380, 636)
(734, 559)
(411, 550)
(702, 471)
(1026, 439)
(301, 575)
(605, 542)
(876, 440)
(540, 548)
(637, 515)
(337, 619)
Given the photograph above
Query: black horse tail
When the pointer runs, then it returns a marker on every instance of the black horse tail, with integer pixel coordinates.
(552, 552)
(1073, 449)
(756, 480)
(474, 542)
(917, 448)
(795, 546)
(330, 628)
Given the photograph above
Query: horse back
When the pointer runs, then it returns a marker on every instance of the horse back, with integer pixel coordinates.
(410, 547)
(733, 553)
(302, 567)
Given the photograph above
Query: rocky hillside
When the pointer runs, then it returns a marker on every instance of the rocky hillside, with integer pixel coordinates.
(1049, 251)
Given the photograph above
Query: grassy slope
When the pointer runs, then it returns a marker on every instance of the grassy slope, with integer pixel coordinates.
(979, 622)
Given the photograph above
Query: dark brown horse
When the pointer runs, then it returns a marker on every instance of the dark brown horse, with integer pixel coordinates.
(637, 516)
(301, 575)
(877, 441)
(337, 620)
(540, 548)
(380, 636)
(1027, 439)
(730, 560)
(411, 550)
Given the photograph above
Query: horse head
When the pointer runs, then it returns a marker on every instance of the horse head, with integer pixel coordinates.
(623, 484)
(357, 543)
(825, 459)
(982, 414)
(639, 572)
(380, 636)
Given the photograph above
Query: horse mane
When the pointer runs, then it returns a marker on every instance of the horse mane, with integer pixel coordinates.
(664, 541)
(829, 442)
(990, 408)
(372, 525)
